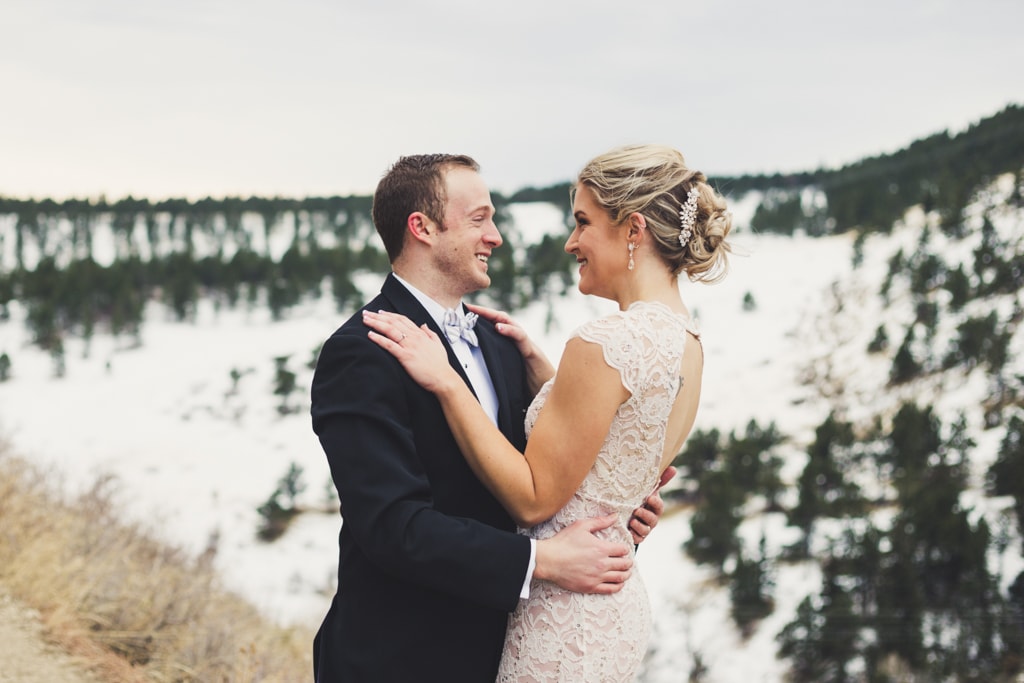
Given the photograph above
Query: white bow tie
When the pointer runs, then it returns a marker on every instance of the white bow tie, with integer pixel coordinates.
(456, 326)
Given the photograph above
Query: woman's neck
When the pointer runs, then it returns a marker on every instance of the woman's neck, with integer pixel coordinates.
(647, 286)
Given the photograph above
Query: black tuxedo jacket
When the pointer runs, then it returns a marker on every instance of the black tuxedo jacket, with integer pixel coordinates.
(429, 563)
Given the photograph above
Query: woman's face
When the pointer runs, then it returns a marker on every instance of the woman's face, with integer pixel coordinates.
(601, 248)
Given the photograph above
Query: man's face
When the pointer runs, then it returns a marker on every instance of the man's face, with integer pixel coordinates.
(469, 234)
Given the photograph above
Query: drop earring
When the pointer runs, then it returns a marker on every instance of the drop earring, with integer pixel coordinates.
(631, 264)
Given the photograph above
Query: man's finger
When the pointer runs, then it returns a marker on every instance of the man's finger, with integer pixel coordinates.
(619, 550)
(666, 476)
(617, 578)
(647, 517)
(609, 588)
(599, 523)
(620, 566)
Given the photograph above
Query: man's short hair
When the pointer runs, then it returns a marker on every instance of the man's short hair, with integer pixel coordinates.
(413, 183)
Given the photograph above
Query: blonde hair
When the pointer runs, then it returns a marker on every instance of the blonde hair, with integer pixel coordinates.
(653, 180)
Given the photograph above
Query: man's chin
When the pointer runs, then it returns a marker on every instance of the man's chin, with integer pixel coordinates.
(476, 286)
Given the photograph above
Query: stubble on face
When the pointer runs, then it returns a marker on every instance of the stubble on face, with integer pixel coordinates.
(468, 235)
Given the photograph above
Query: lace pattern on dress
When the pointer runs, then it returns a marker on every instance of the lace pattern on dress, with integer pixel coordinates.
(557, 635)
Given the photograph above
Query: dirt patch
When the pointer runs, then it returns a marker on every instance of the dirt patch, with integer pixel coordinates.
(26, 656)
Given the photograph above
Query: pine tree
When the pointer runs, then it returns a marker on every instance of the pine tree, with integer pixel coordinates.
(896, 265)
(699, 455)
(58, 356)
(898, 615)
(1012, 628)
(749, 460)
(980, 341)
(823, 489)
(6, 295)
(913, 439)
(840, 627)
(750, 589)
(291, 484)
(824, 638)
(959, 287)
(714, 523)
(904, 366)
(880, 342)
(1005, 476)
(858, 249)
(800, 642)
(284, 384)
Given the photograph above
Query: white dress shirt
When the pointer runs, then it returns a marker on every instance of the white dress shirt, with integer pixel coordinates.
(471, 358)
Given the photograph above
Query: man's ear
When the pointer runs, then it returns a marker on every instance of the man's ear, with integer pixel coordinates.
(419, 226)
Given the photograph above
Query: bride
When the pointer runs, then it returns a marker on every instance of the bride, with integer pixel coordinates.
(613, 416)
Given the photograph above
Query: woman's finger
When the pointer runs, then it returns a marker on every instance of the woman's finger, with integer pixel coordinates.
(511, 331)
(492, 314)
(384, 327)
(397, 320)
(503, 321)
(431, 335)
(384, 341)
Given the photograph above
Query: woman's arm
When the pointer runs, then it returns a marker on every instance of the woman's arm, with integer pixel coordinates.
(564, 442)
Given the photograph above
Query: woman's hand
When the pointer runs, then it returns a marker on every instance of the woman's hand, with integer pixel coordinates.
(538, 368)
(418, 349)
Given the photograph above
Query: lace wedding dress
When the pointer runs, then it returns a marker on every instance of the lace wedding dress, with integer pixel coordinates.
(557, 635)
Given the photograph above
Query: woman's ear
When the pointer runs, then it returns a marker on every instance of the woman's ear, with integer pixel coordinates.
(637, 225)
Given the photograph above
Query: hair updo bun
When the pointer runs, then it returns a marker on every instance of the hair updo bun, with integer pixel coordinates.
(653, 180)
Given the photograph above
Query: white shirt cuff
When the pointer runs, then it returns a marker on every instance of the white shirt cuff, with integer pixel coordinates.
(525, 592)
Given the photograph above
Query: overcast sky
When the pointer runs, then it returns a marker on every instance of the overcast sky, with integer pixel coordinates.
(317, 97)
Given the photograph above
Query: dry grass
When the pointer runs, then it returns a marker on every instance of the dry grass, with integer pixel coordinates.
(133, 608)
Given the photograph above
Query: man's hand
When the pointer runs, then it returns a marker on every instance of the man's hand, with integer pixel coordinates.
(579, 561)
(646, 517)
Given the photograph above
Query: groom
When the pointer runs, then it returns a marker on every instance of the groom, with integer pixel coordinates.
(430, 564)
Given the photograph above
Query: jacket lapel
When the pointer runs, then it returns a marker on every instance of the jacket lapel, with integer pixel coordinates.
(489, 346)
(402, 301)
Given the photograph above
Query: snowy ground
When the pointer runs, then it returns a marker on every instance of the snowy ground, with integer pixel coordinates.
(195, 459)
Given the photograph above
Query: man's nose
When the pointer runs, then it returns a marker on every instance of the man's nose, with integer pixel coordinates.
(493, 236)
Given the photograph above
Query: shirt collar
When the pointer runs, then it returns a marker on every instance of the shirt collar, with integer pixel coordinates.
(433, 308)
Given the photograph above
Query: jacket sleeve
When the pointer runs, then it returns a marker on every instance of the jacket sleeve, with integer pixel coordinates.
(362, 403)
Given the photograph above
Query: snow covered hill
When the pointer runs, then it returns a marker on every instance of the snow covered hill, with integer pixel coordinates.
(189, 424)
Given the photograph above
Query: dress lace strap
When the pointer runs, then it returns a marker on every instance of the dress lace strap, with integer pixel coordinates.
(643, 343)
